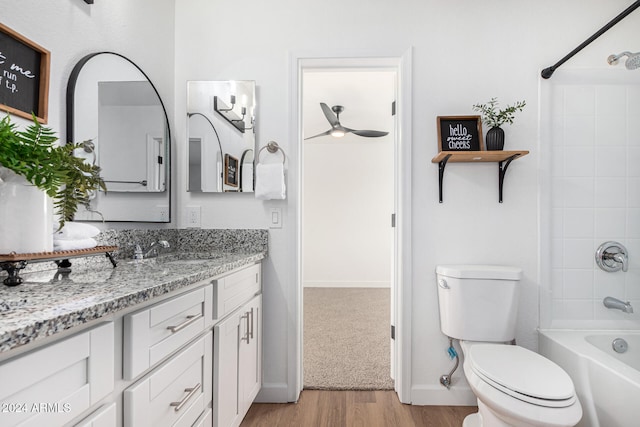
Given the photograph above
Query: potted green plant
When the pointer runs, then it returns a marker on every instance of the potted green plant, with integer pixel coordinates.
(494, 118)
(33, 155)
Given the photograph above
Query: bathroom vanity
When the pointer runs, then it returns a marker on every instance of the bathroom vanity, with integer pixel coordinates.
(174, 341)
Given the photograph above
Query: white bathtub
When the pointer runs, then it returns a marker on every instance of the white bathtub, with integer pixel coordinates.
(607, 383)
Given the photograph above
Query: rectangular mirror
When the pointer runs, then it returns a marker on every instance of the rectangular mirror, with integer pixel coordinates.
(221, 119)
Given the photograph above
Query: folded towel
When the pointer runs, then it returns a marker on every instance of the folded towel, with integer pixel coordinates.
(75, 231)
(270, 181)
(72, 245)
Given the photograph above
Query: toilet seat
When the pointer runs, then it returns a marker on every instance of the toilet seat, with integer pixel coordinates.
(522, 374)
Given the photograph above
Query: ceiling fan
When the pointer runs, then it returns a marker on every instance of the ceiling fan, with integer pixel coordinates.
(337, 130)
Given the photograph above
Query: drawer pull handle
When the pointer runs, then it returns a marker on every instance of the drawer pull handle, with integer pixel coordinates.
(190, 319)
(246, 328)
(191, 392)
(251, 330)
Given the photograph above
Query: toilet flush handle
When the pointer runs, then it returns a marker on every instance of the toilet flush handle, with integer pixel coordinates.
(443, 284)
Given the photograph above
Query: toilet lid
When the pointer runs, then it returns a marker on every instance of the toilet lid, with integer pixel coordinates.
(523, 374)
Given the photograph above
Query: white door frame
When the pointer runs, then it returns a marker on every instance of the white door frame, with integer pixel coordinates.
(401, 61)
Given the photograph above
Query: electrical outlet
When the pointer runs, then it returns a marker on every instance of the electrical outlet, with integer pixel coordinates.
(193, 216)
(162, 213)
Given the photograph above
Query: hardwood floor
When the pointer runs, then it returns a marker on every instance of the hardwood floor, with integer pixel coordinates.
(381, 408)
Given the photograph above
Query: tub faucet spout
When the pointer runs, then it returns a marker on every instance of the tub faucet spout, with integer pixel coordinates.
(615, 303)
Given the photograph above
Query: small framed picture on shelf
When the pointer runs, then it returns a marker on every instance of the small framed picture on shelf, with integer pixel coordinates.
(230, 170)
(459, 133)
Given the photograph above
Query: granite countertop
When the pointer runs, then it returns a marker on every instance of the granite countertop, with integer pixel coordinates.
(49, 302)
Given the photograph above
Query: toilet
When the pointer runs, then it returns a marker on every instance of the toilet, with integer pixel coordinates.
(513, 386)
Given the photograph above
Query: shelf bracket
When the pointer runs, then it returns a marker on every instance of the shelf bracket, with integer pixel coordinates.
(501, 172)
(441, 165)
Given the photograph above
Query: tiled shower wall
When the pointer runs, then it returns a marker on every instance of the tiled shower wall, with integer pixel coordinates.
(594, 155)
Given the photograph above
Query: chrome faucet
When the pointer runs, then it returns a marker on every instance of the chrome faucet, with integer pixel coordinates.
(611, 302)
(138, 254)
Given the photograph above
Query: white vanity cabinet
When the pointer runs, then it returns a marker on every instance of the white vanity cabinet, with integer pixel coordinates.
(237, 361)
(52, 385)
(190, 358)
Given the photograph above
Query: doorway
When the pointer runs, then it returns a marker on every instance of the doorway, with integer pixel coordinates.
(399, 60)
(347, 237)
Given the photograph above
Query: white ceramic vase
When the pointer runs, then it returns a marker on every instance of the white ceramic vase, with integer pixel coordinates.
(26, 216)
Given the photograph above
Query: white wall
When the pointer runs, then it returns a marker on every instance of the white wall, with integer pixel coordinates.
(142, 30)
(463, 52)
(347, 182)
(594, 195)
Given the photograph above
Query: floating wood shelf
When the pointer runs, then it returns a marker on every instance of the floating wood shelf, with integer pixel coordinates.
(15, 262)
(503, 158)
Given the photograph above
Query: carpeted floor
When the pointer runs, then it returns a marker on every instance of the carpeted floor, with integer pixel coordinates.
(346, 339)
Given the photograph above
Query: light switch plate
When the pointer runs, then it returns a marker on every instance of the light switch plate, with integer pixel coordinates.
(275, 218)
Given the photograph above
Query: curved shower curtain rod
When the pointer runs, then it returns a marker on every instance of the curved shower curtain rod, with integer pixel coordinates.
(548, 72)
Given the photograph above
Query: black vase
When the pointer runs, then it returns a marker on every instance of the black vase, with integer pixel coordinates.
(495, 139)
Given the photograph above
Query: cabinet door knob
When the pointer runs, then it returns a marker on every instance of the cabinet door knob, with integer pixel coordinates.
(190, 393)
(190, 319)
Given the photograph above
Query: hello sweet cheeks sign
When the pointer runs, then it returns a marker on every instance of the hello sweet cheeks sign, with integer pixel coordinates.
(459, 133)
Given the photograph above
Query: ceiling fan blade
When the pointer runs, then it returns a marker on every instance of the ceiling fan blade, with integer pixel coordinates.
(320, 134)
(369, 133)
(333, 120)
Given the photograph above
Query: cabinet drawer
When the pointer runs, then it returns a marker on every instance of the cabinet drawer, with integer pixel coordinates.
(176, 393)
(54, 384)
(152, 334)
(231, 291)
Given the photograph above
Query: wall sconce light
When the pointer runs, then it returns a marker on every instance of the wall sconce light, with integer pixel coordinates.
(88, 1)
(228, 114)
(221, 104)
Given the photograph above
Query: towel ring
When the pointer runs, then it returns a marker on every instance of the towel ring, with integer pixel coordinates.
(273, 147)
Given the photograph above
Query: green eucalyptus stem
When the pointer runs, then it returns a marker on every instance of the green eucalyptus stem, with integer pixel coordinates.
(494, 117)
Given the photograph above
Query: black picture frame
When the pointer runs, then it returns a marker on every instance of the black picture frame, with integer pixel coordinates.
(24, 76)
(231, 171)
(460, 133)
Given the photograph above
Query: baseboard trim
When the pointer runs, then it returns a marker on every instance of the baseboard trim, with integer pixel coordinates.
(273, 393)
(439, 395)
(347, 284)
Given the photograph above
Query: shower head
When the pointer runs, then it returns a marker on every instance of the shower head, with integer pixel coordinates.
(632, 62)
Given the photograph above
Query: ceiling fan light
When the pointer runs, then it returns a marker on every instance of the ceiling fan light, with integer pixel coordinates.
(337, 133)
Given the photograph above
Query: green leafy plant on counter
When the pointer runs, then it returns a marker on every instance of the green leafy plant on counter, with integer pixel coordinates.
(494, 117)
(32, 153)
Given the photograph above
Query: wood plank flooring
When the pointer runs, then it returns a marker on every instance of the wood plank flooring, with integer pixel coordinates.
(380, 408)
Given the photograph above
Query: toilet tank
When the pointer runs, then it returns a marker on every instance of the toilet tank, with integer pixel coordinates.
(478, 302)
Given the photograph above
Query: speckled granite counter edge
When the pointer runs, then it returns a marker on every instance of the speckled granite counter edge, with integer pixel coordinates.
(52, 325)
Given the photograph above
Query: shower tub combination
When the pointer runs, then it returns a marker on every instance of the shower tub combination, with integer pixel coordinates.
(605, 369)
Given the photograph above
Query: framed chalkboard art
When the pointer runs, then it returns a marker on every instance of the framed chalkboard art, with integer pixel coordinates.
(230, 170)
(459, 133)
(24, 76)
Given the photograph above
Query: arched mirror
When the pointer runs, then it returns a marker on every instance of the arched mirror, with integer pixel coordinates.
(221, 136)
(112, 103)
